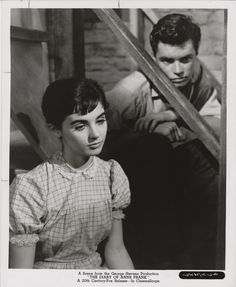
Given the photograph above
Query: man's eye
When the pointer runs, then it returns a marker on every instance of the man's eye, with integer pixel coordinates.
(167, 61)
(186, 60)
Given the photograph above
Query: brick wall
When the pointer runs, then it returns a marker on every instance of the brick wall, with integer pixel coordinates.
(105, 59)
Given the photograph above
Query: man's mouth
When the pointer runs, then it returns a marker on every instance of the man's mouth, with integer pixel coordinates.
(179, 80)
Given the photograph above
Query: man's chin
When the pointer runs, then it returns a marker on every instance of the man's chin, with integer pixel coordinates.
(180, 84)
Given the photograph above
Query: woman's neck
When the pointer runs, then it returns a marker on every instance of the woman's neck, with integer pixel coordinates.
(75, 161)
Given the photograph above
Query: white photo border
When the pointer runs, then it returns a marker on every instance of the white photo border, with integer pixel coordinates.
(39, 278)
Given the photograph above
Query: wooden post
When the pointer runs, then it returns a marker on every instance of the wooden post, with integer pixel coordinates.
(183, 107)
(137, 24)
(78, 43)
(51, 45)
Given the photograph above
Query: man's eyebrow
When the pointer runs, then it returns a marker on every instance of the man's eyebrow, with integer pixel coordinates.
(187, 56)
(81, 121)
(166, 58)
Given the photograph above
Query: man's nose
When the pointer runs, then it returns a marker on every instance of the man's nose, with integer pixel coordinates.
(178, 69)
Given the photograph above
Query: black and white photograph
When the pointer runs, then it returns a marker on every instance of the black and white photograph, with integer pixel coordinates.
(117, 158)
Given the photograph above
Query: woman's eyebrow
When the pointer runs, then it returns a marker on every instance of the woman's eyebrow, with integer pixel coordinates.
(103, 114)
(78, 121)
(81, 121)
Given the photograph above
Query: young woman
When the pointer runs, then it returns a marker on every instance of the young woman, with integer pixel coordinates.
(62, 209)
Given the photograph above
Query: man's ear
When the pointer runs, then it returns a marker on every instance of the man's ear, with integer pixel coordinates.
(55, 130)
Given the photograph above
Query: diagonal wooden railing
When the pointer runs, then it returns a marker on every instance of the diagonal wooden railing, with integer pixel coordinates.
(183, 107)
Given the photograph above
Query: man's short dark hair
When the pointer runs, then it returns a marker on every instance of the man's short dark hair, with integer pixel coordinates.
(175, 29)
(67, 96)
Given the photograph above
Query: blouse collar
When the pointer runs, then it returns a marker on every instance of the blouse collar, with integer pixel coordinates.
(68, 171)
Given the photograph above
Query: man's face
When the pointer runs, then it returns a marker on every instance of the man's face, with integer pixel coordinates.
(177, 62)
(83, 135)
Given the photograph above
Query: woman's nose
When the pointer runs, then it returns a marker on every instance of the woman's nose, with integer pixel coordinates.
(93, 132)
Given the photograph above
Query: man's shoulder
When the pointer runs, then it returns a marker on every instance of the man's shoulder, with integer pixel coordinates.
(202, 77)
(204, 87)
(131, 83)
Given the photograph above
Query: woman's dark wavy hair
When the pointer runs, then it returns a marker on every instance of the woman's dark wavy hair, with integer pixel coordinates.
(175, 29)
(67, 96)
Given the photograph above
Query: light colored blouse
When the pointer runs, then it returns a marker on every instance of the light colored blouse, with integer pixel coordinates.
(67, 212)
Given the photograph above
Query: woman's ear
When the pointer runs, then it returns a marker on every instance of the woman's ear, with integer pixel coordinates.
(55, 130)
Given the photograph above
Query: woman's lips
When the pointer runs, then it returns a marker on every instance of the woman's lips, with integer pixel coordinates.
(95, 145)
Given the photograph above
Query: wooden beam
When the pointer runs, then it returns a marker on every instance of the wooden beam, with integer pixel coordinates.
(18, 33)
(137, 24)
(151, 15)
(140, 19)
(183, 107)
(60, 29)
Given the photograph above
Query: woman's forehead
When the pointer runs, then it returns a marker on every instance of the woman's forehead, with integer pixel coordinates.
(89, 116)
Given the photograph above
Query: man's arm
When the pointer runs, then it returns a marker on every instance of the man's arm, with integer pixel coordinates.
(116, 255)
(21, 256)
(162, 123)
(150, 122)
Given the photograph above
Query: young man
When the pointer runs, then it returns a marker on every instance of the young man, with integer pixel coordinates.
(179, 175)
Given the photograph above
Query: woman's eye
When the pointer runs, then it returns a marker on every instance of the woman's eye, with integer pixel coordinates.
(80, 127)
(101, 121)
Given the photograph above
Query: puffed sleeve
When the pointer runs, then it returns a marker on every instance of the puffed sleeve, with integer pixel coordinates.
(27, 208)
(119, 189)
